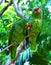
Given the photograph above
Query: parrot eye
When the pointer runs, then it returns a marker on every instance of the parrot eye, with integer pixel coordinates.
(37, 10)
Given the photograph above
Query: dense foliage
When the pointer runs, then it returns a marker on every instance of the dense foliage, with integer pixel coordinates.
(43, 40)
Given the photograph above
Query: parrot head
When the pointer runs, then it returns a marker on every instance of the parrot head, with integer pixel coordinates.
(36, 11)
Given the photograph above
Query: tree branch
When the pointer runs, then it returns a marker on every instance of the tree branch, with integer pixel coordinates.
(19, 49)
(5, 8)
(1, 2)
(7, 47)
(17, 9)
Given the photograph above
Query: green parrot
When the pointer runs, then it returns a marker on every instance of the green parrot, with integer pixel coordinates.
(36, 21)
(25, 27)
(16, 34)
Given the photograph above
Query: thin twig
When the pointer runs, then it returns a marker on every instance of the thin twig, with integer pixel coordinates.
(5, 8)
(14, 44)
(8, 47)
